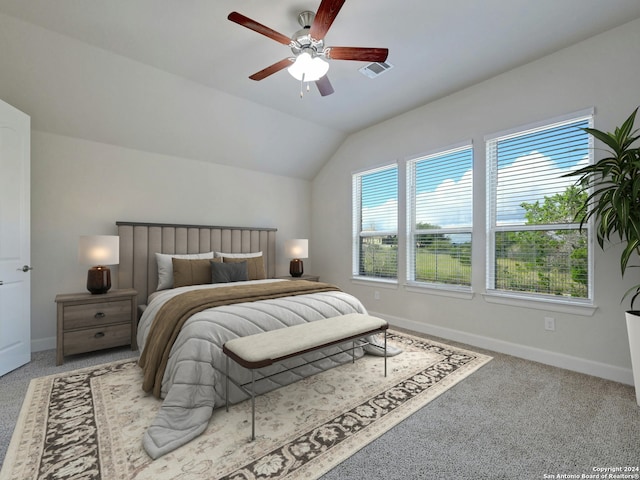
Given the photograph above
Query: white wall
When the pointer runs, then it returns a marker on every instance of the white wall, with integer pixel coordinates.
(602, 72)
(81, 187)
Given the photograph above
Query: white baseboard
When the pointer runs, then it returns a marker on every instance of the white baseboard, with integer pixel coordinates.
(42, 344)
(560, 360)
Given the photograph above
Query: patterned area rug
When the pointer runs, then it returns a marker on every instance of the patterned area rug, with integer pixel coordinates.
(89, 423)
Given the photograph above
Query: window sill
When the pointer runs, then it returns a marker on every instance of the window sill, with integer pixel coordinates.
(459, 292)
(553, 305)
(378, 282)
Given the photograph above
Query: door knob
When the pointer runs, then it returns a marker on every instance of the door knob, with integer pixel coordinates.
(25, 268)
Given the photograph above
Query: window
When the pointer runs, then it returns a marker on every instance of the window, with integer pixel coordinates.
(439, 213)
(535, 245)
(375, 223)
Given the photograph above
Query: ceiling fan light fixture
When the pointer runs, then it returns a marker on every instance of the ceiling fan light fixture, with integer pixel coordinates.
(307, 46)
(307, 68)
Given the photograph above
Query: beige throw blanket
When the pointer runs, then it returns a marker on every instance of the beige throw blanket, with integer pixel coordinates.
(173, 314)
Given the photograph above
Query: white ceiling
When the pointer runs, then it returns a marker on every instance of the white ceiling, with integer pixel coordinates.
(437, 47)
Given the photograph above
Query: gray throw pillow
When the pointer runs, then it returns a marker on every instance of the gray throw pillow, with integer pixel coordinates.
(229, 272)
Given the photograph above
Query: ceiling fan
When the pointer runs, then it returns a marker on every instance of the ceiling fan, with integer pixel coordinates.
(307, 45)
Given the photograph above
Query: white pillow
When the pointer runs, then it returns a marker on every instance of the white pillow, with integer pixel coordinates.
(165, 267)
(239, 255)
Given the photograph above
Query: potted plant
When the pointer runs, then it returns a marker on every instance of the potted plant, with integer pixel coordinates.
(613, 187)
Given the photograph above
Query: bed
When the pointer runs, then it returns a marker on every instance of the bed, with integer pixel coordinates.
(190, 377)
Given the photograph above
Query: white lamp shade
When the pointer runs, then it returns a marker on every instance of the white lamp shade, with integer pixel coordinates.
(312, 68)
(99, 249)
(297, 248)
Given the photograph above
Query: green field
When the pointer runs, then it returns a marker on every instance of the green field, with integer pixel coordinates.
(442, 268)
(547, 279)
(453, 268)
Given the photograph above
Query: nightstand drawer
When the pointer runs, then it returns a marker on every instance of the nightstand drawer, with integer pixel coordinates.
(91, 339)
(90, 314)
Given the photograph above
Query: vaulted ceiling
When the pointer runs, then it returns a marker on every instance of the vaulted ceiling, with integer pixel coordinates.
(171, 76)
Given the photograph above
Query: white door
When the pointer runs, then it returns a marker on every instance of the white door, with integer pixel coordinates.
(15, 277)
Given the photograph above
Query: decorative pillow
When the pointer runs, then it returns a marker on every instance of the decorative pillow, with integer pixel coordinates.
(238, 255)
(228, 272)
(192, 272)
(165, 267)
(255, 266)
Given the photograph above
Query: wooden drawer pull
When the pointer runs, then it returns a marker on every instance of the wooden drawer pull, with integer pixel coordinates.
(99, 335)
(100, 315)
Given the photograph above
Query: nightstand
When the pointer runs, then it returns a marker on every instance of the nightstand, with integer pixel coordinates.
(311, 278)
(88, 322)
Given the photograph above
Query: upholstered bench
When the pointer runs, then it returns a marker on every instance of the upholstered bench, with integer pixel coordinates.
(266, 348)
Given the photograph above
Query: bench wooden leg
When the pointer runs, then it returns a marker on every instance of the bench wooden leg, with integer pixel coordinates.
(226, 396)
(385, 353)
(253, 405)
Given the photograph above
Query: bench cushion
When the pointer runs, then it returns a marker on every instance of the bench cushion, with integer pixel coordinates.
(259, 350)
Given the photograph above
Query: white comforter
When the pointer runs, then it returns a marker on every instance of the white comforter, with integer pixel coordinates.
(193, 382)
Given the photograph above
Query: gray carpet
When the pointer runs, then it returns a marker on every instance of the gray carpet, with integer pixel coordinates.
(512, 419)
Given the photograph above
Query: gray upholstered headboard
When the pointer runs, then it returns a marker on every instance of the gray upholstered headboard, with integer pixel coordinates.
(140, 241)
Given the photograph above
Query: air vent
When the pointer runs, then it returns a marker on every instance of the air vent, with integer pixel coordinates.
(374, 69)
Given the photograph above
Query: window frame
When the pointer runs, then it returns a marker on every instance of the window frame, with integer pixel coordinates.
(358, 233)
(493, 294)
(411, 211)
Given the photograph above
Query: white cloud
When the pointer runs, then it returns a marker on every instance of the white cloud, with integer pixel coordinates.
(449, 205)
(382, 217)
(530, 178)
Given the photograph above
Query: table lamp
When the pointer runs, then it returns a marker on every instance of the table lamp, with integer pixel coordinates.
(99, 251)
(296, 249)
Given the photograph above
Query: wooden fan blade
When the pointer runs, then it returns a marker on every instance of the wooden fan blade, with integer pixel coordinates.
(326, 14)
(324, 86)
(362, 54)
(271, 69)
(258, 27)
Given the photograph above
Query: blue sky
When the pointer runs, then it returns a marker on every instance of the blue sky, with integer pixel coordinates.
(564, 145)
(446, 194)
(530, 167)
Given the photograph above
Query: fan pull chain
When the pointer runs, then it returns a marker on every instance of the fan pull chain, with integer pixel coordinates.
(302, 87)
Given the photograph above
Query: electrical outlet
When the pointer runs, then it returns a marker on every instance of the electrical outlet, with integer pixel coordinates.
(376, 295)
(550, 324)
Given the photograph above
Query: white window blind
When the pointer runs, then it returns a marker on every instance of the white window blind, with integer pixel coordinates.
(535, 244)
(440, 213)
(375, 223)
